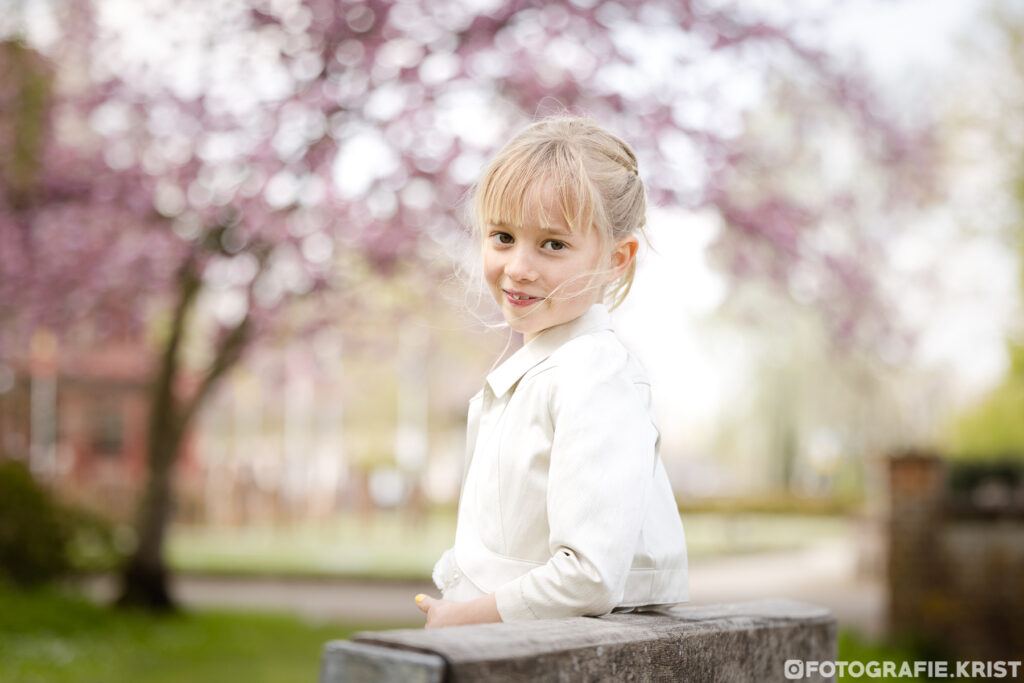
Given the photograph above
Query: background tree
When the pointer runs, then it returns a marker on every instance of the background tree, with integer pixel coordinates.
(262, 153)
(994, 426)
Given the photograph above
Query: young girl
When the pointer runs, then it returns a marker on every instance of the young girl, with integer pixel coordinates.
(566, 509)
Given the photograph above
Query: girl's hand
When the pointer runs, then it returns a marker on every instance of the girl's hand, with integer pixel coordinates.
(452, 613)
(439, 612)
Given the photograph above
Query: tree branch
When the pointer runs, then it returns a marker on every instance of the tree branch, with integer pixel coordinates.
(228, 353)
(164, 408)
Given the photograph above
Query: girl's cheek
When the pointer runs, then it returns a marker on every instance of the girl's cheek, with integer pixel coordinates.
(491, 265)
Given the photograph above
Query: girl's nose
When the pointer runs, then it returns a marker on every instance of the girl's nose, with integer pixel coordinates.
(519, 266)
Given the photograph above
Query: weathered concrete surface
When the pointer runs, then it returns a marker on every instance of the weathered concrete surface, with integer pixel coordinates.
(728, 643)
(347, 661)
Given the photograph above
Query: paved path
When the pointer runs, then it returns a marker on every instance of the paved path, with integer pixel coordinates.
(824, 575)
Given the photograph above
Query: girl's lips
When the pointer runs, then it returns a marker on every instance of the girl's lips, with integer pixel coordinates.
(513, 297)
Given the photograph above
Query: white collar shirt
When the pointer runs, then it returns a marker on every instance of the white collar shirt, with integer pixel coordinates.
(566, 509)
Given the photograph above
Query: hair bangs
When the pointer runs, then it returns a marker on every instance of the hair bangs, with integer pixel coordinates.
(510, 192)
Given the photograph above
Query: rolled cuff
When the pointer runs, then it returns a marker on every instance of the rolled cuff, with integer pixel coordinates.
(511, 604)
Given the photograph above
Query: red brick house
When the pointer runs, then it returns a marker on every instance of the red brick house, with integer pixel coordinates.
(79, 418)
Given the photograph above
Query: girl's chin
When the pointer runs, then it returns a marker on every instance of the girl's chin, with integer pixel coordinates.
(527, 329)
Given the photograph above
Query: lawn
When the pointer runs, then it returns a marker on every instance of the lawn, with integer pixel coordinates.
(854, 648)
(50, 636)
(393, 545)
(386, 544)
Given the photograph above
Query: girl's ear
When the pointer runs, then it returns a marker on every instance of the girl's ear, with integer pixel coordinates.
(623, 254)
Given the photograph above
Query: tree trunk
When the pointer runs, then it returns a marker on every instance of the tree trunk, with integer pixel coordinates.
(144, 578)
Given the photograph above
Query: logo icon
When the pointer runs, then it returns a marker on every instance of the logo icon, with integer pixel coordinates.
(794, 669)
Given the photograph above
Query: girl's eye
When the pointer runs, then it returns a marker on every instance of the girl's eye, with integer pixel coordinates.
(502, 238)
(555, 245)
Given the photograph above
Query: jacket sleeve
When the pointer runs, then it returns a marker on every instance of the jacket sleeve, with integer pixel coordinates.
(600, 475)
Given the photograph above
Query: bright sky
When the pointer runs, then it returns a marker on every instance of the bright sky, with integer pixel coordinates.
(660, 322)
(910, 45)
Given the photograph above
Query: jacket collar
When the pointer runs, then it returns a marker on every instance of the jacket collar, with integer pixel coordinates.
(505, 376)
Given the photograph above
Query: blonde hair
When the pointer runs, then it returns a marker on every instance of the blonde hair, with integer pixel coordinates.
(592, 172)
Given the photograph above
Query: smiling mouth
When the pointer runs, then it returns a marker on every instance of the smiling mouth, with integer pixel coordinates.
(520, 299)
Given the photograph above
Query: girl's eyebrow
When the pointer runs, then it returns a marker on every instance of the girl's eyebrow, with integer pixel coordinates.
(502, 225)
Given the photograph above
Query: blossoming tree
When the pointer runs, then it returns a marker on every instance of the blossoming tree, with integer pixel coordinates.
(255, 150)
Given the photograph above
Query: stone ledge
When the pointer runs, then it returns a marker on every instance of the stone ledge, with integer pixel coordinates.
(732, 642)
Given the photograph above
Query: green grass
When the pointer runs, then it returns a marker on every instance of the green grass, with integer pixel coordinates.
(391, 545)
(385, 545)
(51, 636)
(854, 648)
(54, 637)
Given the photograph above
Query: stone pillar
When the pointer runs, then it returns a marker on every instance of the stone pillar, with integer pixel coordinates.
(916, 488)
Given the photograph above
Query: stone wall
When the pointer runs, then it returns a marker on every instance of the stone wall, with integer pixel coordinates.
(728, 643)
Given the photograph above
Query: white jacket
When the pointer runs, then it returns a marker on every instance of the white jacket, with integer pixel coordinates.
(566, 509)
